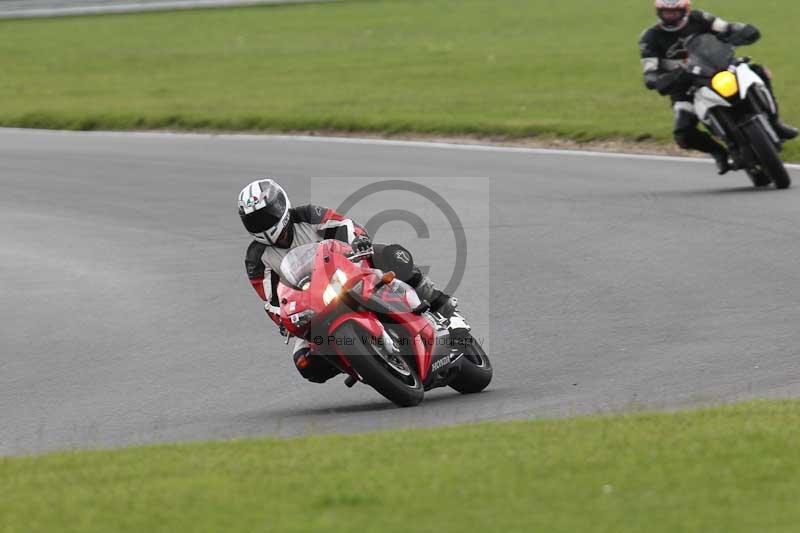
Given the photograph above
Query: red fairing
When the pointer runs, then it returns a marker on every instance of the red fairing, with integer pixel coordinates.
(365, 320)
(424, 343)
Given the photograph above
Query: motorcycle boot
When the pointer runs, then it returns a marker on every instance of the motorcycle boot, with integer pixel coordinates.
(784, 131)
(722, 160)
(440, 302)
(688, 137)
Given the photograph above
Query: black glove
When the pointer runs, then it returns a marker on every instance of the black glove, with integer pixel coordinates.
(361, 244)
(674, 81)
(745, 35)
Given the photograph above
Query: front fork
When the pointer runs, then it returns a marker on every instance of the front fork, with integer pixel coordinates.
(726, 125)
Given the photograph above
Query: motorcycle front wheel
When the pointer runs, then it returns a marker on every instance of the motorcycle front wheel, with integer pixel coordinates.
(767, 155)
(758, 178)
(390, 374)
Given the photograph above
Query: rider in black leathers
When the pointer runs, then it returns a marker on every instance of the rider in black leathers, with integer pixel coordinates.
(662, 55)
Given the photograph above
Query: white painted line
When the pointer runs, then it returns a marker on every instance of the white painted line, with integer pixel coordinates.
(375, 142)
(136, 7)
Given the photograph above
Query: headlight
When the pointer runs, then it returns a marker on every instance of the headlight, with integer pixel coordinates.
(725, 84)
(335, 287)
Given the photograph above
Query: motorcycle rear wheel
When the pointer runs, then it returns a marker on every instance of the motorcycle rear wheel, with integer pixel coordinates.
(767, 155)
(476, 369)
(390, 375)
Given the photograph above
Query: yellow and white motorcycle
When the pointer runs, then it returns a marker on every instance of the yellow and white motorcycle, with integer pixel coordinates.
(732, 100)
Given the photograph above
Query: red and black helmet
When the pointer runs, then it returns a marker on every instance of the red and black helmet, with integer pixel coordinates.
(673, 14)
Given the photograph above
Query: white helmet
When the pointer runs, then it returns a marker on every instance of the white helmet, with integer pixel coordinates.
(264, 210)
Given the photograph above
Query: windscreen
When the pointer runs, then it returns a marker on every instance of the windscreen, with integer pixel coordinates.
(297, 265)
(709, 54)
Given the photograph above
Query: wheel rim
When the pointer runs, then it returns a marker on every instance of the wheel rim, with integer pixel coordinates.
(396, 364)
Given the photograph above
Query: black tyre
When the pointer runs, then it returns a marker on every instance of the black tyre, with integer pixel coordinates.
(767, 155)
(476, 369)
(758, 178)
(391, 375)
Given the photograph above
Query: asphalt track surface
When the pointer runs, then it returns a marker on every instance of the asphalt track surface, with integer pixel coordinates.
(615, 283)
(58, 8)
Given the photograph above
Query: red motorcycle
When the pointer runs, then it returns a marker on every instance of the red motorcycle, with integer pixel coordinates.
(373, 327)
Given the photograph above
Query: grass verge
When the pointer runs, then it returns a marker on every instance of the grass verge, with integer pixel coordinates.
(515, 68)
(730, 469)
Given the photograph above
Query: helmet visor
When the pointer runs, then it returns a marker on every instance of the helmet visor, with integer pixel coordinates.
(264, 219)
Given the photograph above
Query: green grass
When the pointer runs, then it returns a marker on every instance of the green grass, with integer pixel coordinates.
(731, 469)
(508, 67)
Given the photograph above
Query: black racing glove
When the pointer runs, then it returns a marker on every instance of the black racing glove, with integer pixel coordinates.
(746, 34)
(673, 82)
(361, 244)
